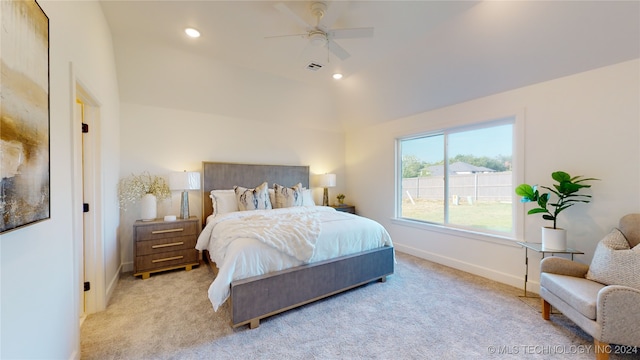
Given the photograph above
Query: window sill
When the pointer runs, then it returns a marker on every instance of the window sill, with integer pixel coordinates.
(464, 233)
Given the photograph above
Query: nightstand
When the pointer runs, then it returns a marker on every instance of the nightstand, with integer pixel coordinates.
(345, 208)
(164, 245)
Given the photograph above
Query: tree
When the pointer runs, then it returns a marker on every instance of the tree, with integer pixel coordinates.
(411, 166)
(497, 163)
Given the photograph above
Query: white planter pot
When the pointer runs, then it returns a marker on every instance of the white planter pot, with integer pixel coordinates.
(555, 239)
(149, 207)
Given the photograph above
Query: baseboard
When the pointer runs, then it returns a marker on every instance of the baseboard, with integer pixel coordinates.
(112, 285)
(126, 267)
(492, 274)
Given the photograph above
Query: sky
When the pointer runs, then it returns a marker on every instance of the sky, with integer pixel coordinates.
(490, 142)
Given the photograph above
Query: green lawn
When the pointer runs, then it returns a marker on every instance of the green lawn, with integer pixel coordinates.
(491, 215)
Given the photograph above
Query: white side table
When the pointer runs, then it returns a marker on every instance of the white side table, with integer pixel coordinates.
(537, 247)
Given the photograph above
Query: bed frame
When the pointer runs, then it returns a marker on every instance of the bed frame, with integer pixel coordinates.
(258, 297)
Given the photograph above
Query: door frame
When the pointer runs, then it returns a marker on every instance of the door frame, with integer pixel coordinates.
(86, 186)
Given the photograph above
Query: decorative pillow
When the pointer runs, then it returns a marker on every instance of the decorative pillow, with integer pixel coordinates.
(253, 199)
(307, 198)
(224, 201)
(615, 263)
(272, 197)
(288, 196)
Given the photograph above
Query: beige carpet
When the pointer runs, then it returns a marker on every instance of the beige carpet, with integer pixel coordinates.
(423, 311)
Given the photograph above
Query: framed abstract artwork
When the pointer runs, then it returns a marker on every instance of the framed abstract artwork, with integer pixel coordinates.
(24, 115)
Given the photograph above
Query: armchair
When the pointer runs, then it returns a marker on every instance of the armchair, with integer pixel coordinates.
(604, 298)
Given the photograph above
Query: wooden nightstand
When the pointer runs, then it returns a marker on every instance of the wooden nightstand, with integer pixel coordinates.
(345, 208)
(165, 245)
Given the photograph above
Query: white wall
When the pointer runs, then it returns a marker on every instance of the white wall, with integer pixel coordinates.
(40, 316)
(160, 140)
(585, 124)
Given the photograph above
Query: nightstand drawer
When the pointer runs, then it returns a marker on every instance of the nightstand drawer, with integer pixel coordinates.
(166, 259)
(166, 230)
(164, 245)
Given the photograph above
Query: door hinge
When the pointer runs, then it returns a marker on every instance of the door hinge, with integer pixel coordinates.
(85, 128)
(85, 207)
(87, 286)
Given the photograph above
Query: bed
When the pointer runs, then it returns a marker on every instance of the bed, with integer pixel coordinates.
(282, 279)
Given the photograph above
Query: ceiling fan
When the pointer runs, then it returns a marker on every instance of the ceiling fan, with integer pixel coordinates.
(321, 34)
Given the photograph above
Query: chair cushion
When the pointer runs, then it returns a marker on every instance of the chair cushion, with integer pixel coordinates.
(630, 227)
(579, 293)
(614, 263)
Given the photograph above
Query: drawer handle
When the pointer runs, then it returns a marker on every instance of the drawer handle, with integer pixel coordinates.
(167, 245)
(167, 259)
(167, 231)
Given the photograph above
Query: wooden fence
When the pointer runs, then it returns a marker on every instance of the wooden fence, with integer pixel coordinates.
(470, 188)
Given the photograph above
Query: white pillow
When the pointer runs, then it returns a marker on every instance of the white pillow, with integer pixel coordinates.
(253, 199)
(615, 263)
(307, 198)
(288, 196)
(224, 201)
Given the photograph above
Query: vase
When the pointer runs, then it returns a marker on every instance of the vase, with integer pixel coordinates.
(554, 239)
(149, 207)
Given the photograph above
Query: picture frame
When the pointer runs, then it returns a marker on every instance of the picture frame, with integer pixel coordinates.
(24, 115)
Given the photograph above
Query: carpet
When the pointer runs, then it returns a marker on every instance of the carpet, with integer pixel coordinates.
(423, 311)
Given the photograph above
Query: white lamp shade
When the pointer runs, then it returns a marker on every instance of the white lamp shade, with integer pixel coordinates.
(185, 180)
(327, 180)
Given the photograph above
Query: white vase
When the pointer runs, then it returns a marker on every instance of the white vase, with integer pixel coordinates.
(149, 207)
(554, 239)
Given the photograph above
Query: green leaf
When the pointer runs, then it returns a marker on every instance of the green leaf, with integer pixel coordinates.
(525, 190)
(560, 176)
(536, 211)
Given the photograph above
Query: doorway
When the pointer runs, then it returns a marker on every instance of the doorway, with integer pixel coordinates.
(88, 264)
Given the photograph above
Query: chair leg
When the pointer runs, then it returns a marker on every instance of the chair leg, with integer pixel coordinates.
(602, 350)
(546, 309)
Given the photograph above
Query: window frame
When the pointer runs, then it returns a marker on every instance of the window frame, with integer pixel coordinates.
(516, 119)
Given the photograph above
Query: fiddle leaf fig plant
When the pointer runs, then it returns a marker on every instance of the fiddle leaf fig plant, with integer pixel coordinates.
(566, 190)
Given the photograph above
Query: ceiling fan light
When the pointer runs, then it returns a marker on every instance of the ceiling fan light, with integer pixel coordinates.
(191, 32)
(317, 39)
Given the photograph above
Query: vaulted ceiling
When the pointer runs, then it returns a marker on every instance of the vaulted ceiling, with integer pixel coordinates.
(422, 55)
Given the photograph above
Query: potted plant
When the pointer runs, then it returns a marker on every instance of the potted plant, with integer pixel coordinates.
(566, 190)
(145, 187)
(340, 198)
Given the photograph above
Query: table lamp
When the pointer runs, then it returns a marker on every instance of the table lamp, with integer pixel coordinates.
(184, 181)
(326, 181)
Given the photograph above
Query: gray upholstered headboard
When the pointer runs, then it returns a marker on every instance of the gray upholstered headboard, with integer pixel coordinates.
(221, 176)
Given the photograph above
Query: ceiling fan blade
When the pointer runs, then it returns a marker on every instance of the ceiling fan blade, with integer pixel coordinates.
(350, 33)
(337, 50)
(290, 35)
(284, 9)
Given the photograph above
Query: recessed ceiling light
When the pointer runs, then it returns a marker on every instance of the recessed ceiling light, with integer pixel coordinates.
(337, 76)
(191, 32)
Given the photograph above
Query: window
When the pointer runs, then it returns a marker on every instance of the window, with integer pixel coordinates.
(459, 177)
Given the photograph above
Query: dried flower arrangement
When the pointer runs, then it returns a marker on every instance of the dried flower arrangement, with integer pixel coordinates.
(134, 187)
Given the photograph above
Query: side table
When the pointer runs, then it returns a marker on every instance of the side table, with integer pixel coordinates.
(537, 247)
(345, 208)
(165, 245)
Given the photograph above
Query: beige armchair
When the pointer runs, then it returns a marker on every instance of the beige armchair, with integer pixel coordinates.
(604, 298)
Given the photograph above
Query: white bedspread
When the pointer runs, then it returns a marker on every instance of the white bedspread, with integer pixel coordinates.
(250, 243)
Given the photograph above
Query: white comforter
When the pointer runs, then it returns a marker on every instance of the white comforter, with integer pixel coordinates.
(250, 243)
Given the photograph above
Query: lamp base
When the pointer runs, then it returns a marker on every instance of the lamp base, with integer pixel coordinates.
(184, 208)
(325, 197)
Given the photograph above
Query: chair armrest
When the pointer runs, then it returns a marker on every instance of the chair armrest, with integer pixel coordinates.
(562, 266)
(618, 313)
